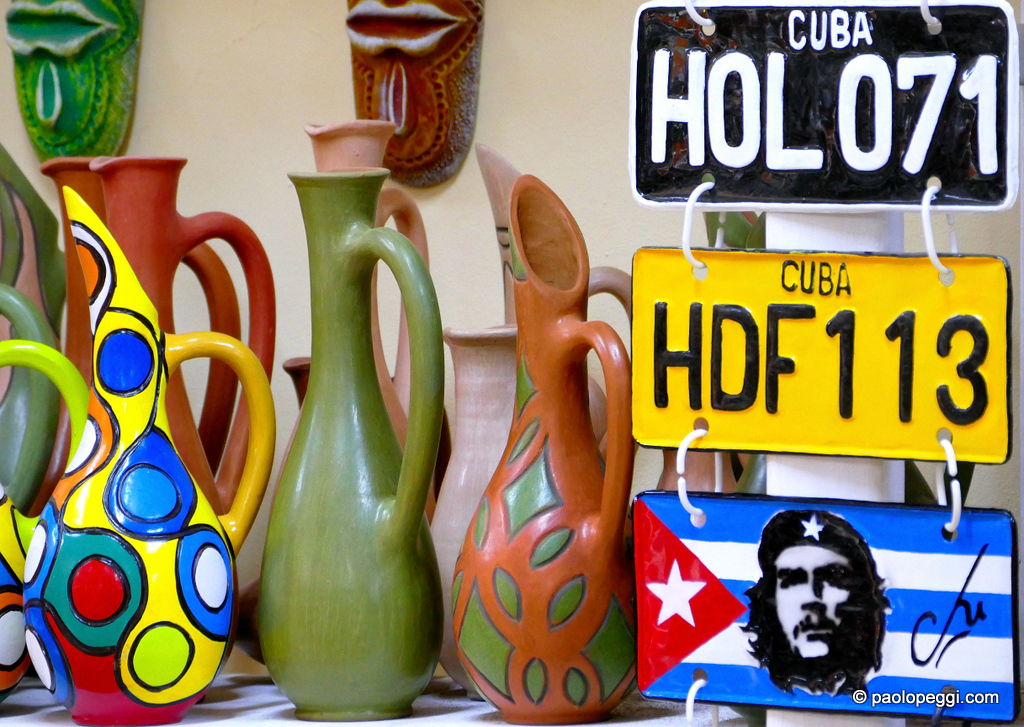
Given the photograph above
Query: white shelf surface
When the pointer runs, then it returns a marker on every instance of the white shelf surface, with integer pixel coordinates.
(244, 699)
(252, 699)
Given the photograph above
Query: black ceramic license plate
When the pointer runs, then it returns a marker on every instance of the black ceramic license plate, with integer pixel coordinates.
(828, 106)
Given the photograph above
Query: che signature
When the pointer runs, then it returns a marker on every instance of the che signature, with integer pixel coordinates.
(971, 618)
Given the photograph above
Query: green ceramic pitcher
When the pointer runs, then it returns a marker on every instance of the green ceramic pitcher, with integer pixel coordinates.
(350, 605)
(29, 409)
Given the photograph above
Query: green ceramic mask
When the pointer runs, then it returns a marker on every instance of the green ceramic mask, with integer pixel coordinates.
(75, 68)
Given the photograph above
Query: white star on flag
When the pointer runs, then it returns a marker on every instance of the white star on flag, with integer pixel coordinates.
(676, 595)
(812, 529)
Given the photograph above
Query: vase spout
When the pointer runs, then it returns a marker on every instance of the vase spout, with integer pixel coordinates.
(351, 144)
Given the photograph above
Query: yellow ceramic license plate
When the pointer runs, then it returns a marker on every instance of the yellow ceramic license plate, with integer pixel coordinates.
(822, 353)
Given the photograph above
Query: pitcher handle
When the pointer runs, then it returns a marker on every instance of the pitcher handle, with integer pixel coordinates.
(427, 397)
(606, 279)
(259, 281)
(221, 382)
(29, 412)
(259, 459)
(618, 474)
(396, 204)
(52, 364)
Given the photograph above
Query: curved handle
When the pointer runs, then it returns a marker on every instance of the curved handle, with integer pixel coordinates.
(606, 279)
(221, 382)
(30, 409)
(618, 474)
(427, 397)
(259, 281)
(53, 365)
(260, 450)
(69, 382)
(396, 204)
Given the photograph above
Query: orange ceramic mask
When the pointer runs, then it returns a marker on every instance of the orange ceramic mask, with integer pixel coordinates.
(417, 63)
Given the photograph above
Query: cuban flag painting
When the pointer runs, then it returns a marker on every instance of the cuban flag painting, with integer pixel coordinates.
(817, 604)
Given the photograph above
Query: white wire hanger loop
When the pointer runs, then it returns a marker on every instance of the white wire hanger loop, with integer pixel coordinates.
(954, 485)
(946, 275)
(934, 24)
(700, 270)
(706, 24)
(697, 516)
(691, 697)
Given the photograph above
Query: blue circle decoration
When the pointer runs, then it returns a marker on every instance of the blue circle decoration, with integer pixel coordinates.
(214, 622)
(148, 494)
(125, 362)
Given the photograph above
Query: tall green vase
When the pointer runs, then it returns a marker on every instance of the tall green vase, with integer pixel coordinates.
(350, 605)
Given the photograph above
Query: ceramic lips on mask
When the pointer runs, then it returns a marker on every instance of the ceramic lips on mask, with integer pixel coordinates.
(75, 69)
(417, 63)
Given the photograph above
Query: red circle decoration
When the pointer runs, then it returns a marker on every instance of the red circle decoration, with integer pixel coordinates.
(97, 590)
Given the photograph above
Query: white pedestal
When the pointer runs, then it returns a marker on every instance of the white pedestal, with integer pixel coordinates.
(852, 479)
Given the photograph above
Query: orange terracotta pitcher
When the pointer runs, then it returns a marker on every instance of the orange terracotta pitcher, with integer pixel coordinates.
(543, 590)
(136, 198)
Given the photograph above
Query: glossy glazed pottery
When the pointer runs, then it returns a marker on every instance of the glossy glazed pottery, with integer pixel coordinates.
(350, 146)
(137, 196)
(75, 70)
(360, 144)
(29, 410)
(350, 613)
(416, 63)
(543, 590)
(15, 528)
(31, 262)
(485, 394)
(34, 266)
(130, 579)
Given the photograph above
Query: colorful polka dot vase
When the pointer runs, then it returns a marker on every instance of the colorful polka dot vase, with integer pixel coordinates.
(130, 584)
(542, 595)
(15, 528)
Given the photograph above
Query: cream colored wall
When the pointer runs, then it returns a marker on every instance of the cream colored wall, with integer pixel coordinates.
(229, 85)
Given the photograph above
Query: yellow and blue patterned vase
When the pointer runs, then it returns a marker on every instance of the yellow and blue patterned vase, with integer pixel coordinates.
(130, 585)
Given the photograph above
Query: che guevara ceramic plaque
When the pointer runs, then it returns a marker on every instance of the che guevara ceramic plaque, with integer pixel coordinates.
(829, 105)
(828, 605)
(823, 353)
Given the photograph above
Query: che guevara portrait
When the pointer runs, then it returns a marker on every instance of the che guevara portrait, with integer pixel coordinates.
(817, 615)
